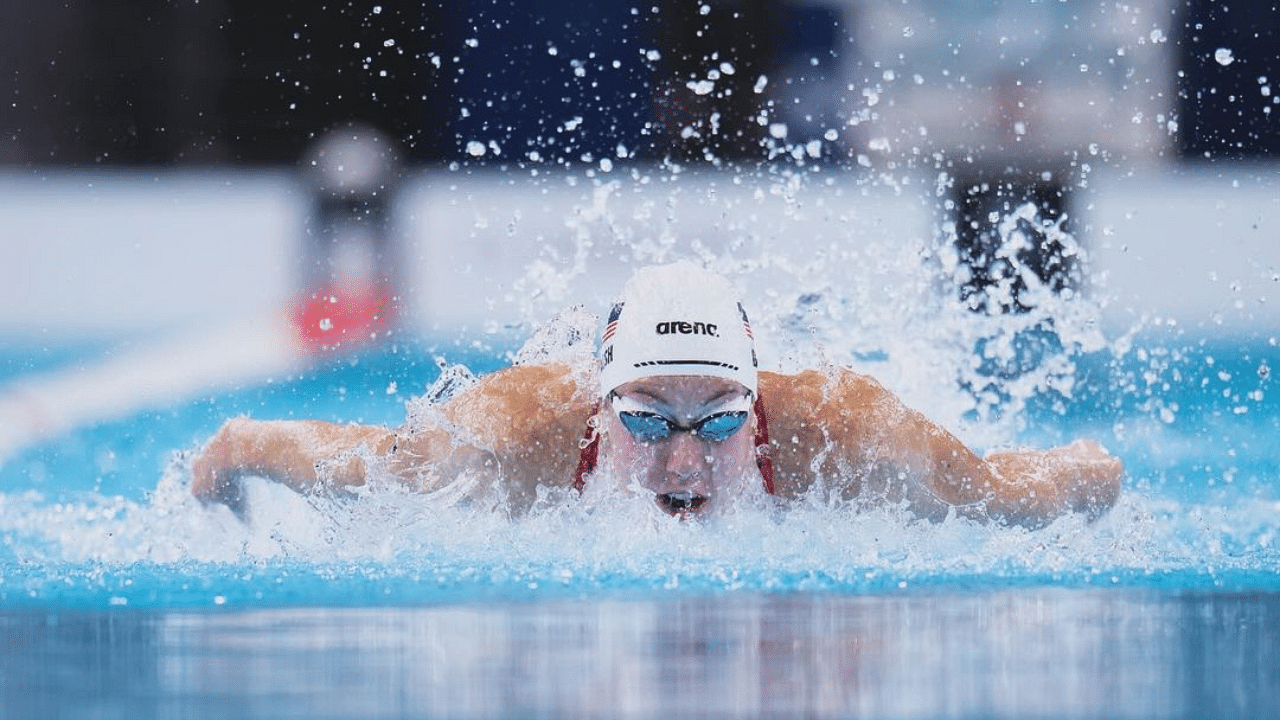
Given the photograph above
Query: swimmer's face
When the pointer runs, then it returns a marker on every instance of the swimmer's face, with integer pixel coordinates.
(647, 425)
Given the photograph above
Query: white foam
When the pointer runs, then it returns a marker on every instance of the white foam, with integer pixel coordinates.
(624, 544)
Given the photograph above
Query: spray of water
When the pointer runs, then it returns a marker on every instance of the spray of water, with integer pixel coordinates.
(868, 295)
(388, 545)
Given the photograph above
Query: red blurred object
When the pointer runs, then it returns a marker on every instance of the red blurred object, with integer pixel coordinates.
(331, 318)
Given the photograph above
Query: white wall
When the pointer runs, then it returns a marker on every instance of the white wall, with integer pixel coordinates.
(1200, 246)
(106, 254)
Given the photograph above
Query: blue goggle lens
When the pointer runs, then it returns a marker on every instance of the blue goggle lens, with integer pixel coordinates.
(650, 427)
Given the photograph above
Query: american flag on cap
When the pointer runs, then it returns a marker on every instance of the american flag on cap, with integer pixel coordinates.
(612, 326)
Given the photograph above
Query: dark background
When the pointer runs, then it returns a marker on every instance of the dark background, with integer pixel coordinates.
(112, 82)
(1220, 106)
(245, 81)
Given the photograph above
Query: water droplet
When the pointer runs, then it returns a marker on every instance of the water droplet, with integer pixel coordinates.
(701, 87)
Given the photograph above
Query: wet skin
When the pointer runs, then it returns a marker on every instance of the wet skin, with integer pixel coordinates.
(687, 474)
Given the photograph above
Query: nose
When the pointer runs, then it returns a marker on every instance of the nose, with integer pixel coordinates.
(687, 457)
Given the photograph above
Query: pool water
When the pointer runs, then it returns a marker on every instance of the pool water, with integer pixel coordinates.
(120, 596)
(957, 653)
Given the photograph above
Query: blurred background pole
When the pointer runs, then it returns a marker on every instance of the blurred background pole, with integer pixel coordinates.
(350, 272)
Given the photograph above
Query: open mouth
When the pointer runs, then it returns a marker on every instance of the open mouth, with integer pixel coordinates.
(677, 502)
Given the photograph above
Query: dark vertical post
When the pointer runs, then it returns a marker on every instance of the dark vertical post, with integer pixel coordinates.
(350, 260)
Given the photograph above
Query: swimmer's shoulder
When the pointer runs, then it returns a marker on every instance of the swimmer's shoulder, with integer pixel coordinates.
(529, 418)
(808, 391)
(814, 408)
(821, 423)
(546, 400)
(550, 384)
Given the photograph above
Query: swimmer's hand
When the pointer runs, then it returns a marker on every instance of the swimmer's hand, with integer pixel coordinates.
(288, 452)
(1036, 486)
(216, 473)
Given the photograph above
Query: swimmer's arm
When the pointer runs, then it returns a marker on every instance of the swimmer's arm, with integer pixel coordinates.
(1025, 487)
(1037, 485)
(521, 425)
(294, 453)
(908, 457)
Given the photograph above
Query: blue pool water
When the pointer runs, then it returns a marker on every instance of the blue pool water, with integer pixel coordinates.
(122, 597)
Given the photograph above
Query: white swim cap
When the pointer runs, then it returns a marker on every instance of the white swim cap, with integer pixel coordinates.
(677, 319)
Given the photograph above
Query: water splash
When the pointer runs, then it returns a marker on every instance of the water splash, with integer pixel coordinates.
(877, 294)
(872, 289)
(388, 546)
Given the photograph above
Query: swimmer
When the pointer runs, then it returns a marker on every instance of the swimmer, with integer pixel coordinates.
(679, 410)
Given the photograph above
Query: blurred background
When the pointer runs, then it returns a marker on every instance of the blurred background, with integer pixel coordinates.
(216, 82)
(161, 163)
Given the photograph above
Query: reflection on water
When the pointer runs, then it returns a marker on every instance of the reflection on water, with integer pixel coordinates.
(1044, 653)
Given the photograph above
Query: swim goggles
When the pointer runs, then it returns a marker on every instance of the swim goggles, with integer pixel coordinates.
(648, 426)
